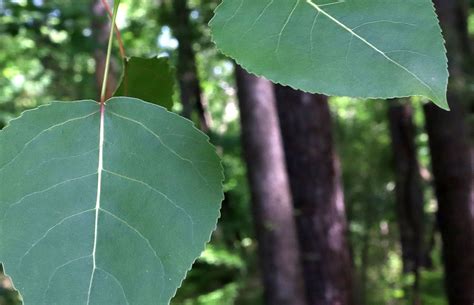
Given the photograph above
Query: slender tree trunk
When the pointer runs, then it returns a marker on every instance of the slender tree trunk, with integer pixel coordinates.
(452, 159)
(362, 291)
(190, 88)
(313, 168)
(100, 33)
(409, 192)
(273, 210)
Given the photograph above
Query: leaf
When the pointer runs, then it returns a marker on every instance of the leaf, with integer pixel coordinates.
(356, 48)
(110, 211)
(149, 79)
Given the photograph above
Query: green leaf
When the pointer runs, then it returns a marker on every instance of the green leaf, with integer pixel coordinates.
(356, 48)
(112, 213)
(149, 79)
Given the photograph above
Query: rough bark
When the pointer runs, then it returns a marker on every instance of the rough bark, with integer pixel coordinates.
(408, 190)
(100, 35)
(315, 181)
(452, 159)
(272, 205)
(190, 88)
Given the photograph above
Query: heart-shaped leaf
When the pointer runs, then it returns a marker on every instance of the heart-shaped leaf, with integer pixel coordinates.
(104, 207)
(149, 79)
(357, 48)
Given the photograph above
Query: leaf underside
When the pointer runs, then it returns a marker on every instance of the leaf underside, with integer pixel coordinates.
(356, 48)
(69, 237)
(149, 79)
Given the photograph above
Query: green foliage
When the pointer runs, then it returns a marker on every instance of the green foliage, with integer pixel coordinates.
(149, 79)
(350, 48)
(107, 215)
(364, 146)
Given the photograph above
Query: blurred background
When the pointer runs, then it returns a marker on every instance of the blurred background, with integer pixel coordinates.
(332, 201)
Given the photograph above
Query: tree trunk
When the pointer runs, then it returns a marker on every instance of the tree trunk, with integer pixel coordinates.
(452, 159)
(313, 168)
(190, 88)
(101, 32)
(272, 205)
(408, 191)
(362, 287)
(454, 182)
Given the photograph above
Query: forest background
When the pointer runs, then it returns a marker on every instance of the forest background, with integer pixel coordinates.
(363, 202)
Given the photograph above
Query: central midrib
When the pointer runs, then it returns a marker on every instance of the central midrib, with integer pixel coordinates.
(100, 169)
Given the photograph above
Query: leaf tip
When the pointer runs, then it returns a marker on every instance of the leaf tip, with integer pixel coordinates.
(442, 103)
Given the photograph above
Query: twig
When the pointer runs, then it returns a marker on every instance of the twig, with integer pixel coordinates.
(117, 31)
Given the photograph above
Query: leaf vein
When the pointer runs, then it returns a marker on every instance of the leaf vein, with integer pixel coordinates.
(41, 133)
(53, 274)
(257, 19)
(37, 242)
(117, 281)
(160, 193)
(162, 143)
(287, 21)
(155, 253)
(48, 189)
(383, 21)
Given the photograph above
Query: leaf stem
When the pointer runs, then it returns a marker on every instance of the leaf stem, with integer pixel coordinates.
(117, 31)
(109, 52)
